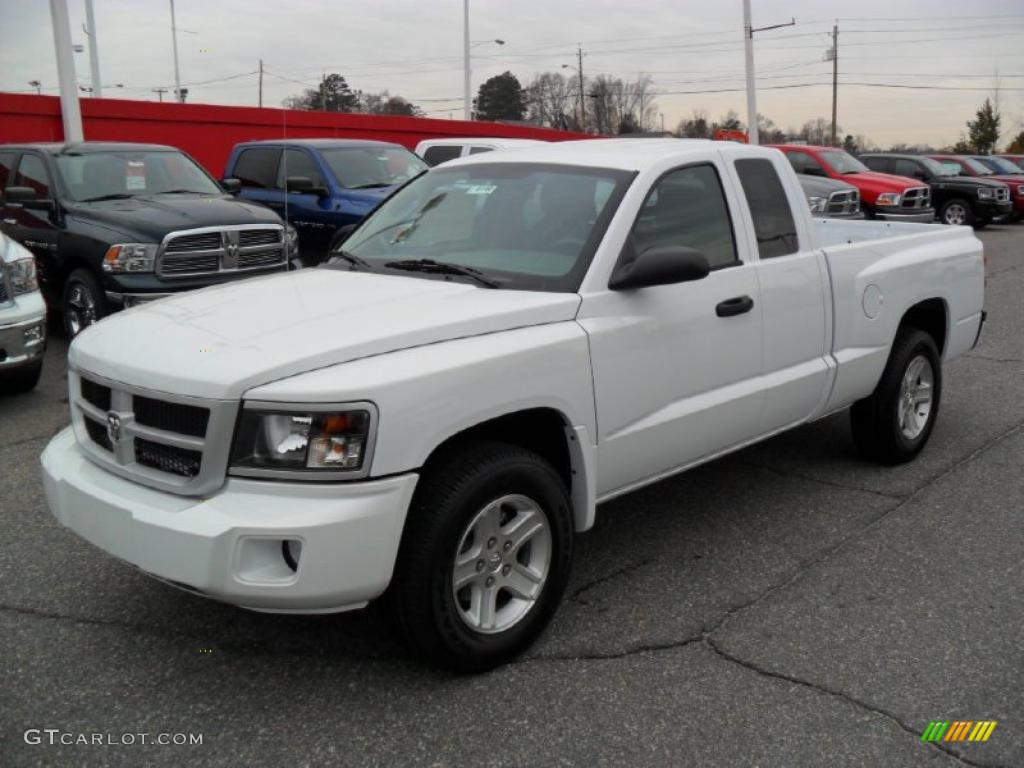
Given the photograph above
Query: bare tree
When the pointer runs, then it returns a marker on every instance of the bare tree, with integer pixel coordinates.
(550, 98)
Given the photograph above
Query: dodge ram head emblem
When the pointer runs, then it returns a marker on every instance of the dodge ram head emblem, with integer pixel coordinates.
(230, 258)
(114, 427)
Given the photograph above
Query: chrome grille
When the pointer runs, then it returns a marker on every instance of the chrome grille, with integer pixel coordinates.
(916, 197)
(213, 250)
(845, 201)
(4, 293)
(1002, 194)
(171, 442)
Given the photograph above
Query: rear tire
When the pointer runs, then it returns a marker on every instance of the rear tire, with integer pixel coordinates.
(22, 379)
(956, 212)
(498, 519)
(83, 304)
(894, 423)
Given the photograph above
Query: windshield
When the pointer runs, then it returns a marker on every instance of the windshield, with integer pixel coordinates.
(999, 165)
(522, 225)
(974, 165)
(843, 162)
(369, 167)
(93, 175)
(937, 168)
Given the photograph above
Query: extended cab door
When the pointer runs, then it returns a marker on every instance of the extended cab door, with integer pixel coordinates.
(256, 168)
(311, 213)
(674, 365)
(34, 227)
(795, 292)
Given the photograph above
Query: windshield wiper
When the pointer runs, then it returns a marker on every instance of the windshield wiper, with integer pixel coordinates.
(183, 192)
(351, 258)
(374, 185)
(442, 268)
(114, 196)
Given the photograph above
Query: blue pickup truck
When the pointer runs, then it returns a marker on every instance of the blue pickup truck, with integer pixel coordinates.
(319, 185)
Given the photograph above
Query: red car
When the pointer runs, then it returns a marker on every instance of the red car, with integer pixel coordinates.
(882, 195)
(980, 166)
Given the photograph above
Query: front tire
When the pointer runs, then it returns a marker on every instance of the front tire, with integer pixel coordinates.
(22, 379)
(894, 423)
(956, 212)
(485, 556)
(84, 302)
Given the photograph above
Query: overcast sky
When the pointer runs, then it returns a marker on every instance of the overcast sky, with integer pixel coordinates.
(414, 48)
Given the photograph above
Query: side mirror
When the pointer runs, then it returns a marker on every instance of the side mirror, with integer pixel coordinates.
(304, 184)
(26, 198)
(661, 265)
(231, 186)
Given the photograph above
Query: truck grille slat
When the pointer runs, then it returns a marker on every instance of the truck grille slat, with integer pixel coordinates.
(168, 458)
(171, 417)
(3, 289)
(225, 249)
(916, 197)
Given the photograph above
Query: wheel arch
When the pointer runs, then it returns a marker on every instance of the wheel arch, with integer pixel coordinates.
(930, 316)
(549, 433)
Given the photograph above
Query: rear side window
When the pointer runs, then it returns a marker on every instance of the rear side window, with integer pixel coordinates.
(441, 153)
(6, 171)
(32, 173)
(480, 150)
(880, 164)
(906, 168)
(258, 167)
(687, 208)
(803, 163)
(769, 208)
(299, 163)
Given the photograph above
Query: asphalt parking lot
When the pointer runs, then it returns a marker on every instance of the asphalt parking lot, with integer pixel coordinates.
(786, 606)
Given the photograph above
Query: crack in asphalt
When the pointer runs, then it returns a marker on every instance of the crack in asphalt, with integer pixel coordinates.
(672, 645)
(710, 644)
(22, 441)
(995, 359)
(626, 569)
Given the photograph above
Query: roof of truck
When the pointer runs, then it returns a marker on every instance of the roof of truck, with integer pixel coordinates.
(495, 140)
(623, 154)
(84, 147)
(319, 143)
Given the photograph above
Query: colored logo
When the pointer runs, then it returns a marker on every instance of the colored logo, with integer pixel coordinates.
(958, 730)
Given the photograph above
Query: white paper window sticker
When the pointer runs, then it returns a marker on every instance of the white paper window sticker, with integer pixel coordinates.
(135, 175)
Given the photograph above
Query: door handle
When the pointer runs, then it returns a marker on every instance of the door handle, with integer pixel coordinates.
(736, 306)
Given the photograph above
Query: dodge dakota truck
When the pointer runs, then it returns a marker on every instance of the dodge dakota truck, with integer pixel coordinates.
(433, 415)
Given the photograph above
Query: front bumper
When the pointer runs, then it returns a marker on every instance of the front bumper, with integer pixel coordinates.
(230, 547)
(22, 331)
(128, 289)
(915, 216)
(991, 209)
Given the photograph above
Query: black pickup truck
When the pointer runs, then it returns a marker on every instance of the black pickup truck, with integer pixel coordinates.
(113, 225)
(957, 199)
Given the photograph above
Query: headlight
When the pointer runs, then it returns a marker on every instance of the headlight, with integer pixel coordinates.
(986, 193)
(308, 443)
(818, 204)
(23, 276)
(888, 198)
(1020, 189)
(291, 241)
(130, 257)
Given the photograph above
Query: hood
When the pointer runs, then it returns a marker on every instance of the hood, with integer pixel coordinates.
(221, 341)
(816, 185)
(969, 181)
(876, 182)
(150, 218)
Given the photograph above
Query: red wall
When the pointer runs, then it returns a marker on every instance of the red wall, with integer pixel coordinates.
(208, 132)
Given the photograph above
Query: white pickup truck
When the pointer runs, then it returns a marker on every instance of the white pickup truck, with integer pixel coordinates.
(507, 342)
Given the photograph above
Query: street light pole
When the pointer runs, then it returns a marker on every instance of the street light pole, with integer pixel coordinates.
(466, 107)
(70, 111)
(94, 51)
(174, 39)
(748, 53)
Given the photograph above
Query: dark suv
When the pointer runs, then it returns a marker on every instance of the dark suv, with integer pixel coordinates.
(112, 225)
(957, 199)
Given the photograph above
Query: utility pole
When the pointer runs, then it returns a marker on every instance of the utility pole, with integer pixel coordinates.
(261, 84)
(835, 77)
(70, 111)
(160, 92)
(37, 85)
(174, 39)
(467, 113)
(748, 51)
(583, 106)
(94, 51)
